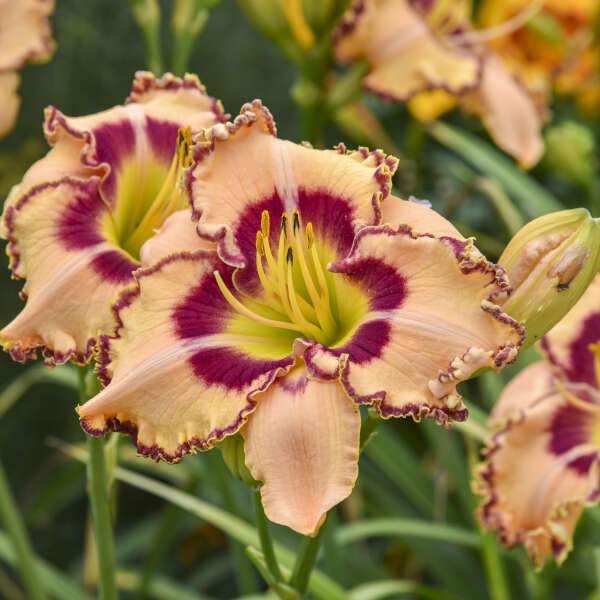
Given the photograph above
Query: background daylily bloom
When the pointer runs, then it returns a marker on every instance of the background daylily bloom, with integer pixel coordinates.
(542, 465)
(24, 37)
(557, 49)
(320, 297)
(425, 53)
(86, 214)
(404, 54)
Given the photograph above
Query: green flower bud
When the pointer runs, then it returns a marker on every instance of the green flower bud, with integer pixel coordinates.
(571, 151)
(232, 449)
(550, 262)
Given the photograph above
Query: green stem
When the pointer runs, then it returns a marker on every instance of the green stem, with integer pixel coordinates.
(100, 507)
(147, 15)
(244, 571)
(305, 562)
(13, 523)
(367, 430)
(265, 538)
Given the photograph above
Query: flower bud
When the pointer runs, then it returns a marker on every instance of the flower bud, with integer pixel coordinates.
(550, 262)
(232, 449)
(571, 151)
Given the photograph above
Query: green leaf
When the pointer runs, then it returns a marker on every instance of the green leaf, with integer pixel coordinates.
(532, 198)
(383, 589)
(18, 387)
(402, 528)
(55, 583)
(320, 585)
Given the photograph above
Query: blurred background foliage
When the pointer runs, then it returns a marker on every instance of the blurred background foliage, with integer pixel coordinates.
(408, 471)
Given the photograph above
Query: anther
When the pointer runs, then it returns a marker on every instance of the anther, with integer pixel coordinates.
(310, 236)
(290, 255)
(265, 224)
(260, 244)
(284, 220)
(295, 221)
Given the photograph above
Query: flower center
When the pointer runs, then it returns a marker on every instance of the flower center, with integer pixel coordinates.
(149, 196)
(296, 289)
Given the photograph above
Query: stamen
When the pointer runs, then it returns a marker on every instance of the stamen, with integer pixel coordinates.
(265, 224)
(310, 236)
(239, 307)
(595, 349)
(300, 318)
(577, 402)
(311, 317)
(169, 199)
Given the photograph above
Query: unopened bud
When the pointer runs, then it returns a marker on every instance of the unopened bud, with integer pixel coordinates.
(571, 151)
(232, 449)
(550, 262)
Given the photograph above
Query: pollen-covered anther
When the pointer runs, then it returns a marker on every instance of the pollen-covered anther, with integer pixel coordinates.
(294, 284)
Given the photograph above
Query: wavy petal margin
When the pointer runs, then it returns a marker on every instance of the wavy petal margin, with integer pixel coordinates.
(247, 167)
(175, 380)
(302, 442)
(56, 220)
(405, 56)
(541, 467)
(423, 335)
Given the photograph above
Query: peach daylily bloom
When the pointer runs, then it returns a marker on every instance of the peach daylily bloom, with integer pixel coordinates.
(564, 58)
(320, 297)
(542, 464)
(86, 215)
(404, 54)
(24, 37)
(422, 52)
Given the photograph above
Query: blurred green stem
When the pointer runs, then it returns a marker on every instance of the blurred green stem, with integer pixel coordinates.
(265, 539)
(306, 561)
(100, 506)
(244, 572)
(188, 21)
(147, 16)
(13, 523)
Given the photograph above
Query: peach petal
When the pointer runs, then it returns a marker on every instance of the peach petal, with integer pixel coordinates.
(534, 491)
(71, 276)
(404, 55)
(244, 164)
(567, 343)
(421, 218)
(9, 101)
(302, 442)
(177, 234)
(24, 32)
(508, 112)
(158, 390)
(444, 328)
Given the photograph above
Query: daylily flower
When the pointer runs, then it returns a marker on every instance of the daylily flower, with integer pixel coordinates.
(320, 297)
(86, 215)
(556, 50)
(541, 467)
(24, 37)
(426, 53)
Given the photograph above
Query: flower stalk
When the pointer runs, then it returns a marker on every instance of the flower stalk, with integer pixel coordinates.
(100, 507)
(305, 562)
(147, 16)
(266, 542)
